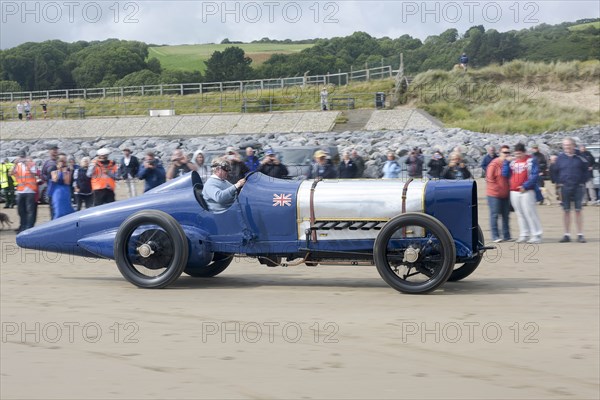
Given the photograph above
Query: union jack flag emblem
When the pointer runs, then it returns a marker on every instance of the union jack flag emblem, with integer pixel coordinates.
(282, 200)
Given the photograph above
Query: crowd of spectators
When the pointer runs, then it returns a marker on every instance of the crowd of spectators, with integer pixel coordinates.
(515, 179)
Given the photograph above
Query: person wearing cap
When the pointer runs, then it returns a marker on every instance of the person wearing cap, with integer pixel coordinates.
(48, 166)
(271, 166)
(322, 167)
(25, 173)
(218, 192)
(152, 172)
(103, 173)
(180, 165)
(128, 170)
(238, 168)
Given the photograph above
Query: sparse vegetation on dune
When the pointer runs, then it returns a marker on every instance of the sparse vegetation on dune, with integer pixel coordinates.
(509, 98)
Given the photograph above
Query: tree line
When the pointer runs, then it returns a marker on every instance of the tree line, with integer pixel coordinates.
(58, 65)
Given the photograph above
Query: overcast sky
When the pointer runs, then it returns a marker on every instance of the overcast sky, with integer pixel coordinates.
(190, 22)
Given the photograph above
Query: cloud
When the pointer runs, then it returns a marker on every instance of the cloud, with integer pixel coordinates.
(180, 22)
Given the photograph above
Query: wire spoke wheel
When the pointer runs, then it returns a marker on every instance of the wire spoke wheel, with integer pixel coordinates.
(151, 249)
(414, 253)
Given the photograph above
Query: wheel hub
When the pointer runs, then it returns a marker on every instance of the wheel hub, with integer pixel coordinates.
(145, 250)
(411, 255)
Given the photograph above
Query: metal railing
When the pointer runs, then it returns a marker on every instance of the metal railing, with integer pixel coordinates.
(231, 102)
(182, 89)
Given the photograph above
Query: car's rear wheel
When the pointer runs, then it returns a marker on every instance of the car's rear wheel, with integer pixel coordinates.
(414, 253)
(466, 269)
(219, 264)
(151, 249)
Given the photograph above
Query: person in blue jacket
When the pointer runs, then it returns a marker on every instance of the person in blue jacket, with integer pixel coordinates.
(391, 168)
(487, 159)
(252, 162)
(571, 175)
(322, 167)
(152, 172)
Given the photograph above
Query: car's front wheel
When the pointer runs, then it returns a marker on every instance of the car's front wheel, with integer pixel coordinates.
(151, 249)
(414, 253)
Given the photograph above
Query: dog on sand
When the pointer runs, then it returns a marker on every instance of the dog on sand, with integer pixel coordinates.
(5, 220)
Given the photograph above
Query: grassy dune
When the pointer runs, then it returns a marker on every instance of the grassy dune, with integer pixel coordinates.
(192, 57)
(517, 97)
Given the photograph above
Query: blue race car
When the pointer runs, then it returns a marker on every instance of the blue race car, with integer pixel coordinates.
(419, 234)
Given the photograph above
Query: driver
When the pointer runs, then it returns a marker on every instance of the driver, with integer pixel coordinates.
(218, 192)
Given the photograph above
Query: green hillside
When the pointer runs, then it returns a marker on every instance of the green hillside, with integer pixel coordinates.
(192, 57)
(581, 27)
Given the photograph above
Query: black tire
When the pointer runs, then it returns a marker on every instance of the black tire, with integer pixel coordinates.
(168, 243)
(434, 265)
(466, 269)
(219, 264)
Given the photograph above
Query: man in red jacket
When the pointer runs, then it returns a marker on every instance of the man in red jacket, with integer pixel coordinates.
(498, 195)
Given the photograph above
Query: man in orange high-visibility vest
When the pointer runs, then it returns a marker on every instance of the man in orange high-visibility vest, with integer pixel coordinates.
(25, 173)
(102, 172)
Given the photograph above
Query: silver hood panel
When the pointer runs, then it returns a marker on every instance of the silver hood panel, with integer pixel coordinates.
(341, 200)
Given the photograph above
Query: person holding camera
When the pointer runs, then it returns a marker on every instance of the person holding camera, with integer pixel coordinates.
(436, 165)
(152, 172)
(180, 165)
(103, 173)
(456, 168)
(271, 166)
(61, 176)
